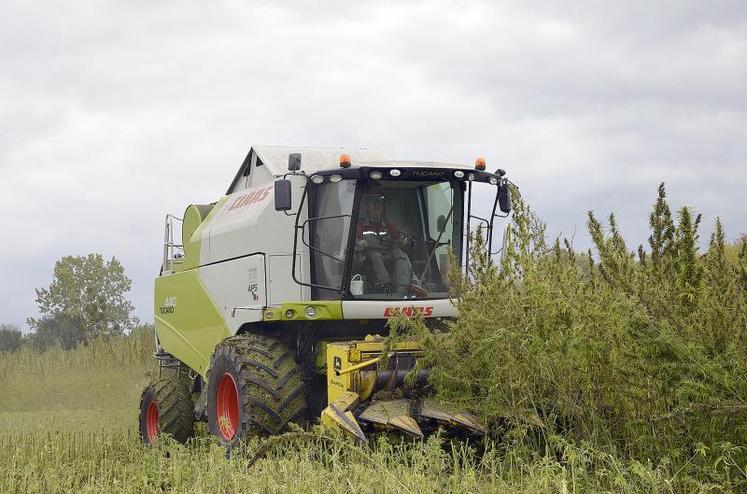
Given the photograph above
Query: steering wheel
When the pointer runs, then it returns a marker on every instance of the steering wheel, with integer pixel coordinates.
(378, 242)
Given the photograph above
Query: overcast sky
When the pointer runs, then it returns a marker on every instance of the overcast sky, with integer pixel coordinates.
(112, 114)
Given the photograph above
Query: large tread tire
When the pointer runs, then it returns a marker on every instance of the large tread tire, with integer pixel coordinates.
(166, 408)
(268, 386)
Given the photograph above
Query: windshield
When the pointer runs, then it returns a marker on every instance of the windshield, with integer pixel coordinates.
(389, 239)
(333, 206)
(400, 237)
(403, 234)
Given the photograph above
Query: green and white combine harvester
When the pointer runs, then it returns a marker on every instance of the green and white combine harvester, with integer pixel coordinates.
(273, 308)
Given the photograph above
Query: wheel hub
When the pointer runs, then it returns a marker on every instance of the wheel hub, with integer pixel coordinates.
(151, 421)
(227, 406)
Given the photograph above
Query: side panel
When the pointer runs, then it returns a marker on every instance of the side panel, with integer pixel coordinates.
(238, 288)
(281, 286)
(247, 223)
(188, 323)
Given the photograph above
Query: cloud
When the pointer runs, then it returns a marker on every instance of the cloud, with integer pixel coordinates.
(113, 114)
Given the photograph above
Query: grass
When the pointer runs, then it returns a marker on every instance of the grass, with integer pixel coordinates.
(108, 461)
(91, 388)
(68, 423)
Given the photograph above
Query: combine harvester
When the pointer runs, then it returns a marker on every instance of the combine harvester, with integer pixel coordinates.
(271, 309)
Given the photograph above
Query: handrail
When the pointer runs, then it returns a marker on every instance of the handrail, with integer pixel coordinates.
(169, 256)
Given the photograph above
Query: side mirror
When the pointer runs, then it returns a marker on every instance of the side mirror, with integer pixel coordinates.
(441, 224)
(294, 162)
(504, 198)
(283, 194)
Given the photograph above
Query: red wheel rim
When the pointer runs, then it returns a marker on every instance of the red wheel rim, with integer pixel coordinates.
(151, 421)
(227, 406)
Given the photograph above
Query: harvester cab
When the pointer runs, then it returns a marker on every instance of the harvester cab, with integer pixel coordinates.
(274, 306)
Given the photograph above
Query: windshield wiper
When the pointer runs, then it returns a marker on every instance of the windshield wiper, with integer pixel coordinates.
(436, 245)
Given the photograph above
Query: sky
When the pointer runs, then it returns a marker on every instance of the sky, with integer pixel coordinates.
(114, 113)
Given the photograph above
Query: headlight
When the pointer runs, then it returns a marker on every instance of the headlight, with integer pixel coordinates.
(310, 312)
(395, 173)
(375, 175)
(317, 179)
(459, 174)
(335, 178)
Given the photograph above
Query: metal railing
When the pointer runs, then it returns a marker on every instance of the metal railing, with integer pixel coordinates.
(172, 253)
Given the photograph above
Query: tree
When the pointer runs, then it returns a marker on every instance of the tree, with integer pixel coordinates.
(11, 338)
(62, 329)
(90, 292)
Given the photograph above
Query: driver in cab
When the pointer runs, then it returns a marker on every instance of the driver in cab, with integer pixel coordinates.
(379, 244)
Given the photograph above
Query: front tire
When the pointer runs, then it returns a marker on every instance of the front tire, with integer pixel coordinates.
(254, 388)
(166, 408)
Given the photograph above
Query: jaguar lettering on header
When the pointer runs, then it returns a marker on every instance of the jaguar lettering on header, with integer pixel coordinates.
(408, 311)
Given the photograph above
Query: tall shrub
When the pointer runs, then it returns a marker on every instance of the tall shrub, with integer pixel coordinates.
(640, 353)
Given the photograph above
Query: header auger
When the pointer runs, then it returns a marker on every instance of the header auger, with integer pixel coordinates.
(272, 307)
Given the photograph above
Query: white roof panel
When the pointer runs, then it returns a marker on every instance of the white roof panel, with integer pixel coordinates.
(313, 158)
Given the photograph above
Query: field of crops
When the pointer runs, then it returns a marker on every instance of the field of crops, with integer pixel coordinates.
(613, 371)
(68, 422)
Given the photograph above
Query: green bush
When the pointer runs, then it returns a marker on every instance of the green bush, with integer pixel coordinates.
(63, 329)
(11, 338)
(640, 355)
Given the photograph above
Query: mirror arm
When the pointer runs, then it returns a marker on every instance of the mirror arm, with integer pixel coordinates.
(438, 244)
(469, 215)
(295, 240)
(303, 174)
(492, 218)
(295, 251)
(294, 173)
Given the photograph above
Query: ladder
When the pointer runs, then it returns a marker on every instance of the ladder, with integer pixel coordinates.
(172, 253)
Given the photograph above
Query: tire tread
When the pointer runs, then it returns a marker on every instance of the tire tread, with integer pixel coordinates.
(272, 392)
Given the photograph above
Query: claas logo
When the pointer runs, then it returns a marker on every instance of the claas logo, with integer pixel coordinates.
(251, 198)
(408, 311)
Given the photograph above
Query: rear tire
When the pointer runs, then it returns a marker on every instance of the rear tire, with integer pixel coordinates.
(166, 408)
(254, 388)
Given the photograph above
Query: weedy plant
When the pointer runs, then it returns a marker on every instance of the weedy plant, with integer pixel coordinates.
(624, 360)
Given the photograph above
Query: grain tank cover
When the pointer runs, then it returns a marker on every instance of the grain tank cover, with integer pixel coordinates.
(193, 217)
(313, 159)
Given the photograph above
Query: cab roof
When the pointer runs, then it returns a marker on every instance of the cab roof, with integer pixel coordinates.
(315, 159)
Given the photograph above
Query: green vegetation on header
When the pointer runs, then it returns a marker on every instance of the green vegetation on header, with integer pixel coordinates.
(638, 356)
